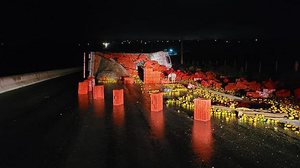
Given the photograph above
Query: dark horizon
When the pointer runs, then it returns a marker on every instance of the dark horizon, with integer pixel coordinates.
(47, 35)
(191, 19)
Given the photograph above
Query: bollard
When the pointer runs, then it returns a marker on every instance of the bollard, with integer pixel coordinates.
(202, 109)
(151, 76)
(128, 80)
(82, 88)
(157, 102)
(98, 92)
(118, 97)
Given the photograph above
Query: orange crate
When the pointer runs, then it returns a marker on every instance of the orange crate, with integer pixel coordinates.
(202, 109)
(118, 97)
(157, 102)
(83, 88)
(128, 80)
(98, 92)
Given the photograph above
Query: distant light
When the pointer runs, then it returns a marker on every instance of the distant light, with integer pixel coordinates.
(216, 40)
(105, 44)
(2, 44)
(227, 41)
(171, 52)
(256, 40)
(88, 44)
(145, 42)
(78, 44)
(239, 41)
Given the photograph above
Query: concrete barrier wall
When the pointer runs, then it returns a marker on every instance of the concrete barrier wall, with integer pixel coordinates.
(9, 83)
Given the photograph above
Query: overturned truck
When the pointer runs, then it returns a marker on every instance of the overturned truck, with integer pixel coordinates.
(114, 66)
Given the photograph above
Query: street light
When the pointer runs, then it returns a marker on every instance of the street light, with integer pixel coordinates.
(105, 44)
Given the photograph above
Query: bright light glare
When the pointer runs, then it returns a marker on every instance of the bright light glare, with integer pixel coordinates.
(105, 44)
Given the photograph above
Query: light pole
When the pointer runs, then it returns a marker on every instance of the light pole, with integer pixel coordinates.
(83, 65)
(181, 53)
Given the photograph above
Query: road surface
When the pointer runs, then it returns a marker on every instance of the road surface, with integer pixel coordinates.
(49, 125)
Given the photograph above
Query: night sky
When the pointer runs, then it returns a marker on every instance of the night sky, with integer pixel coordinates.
(38, 35)
(112, 19)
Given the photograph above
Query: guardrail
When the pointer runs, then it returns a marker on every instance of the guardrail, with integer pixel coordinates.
(9, 83)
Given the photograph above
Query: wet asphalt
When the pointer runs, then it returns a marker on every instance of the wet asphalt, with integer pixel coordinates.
(49, 125)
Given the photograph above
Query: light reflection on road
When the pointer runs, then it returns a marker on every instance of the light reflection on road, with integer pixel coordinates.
(118, 116)
(99, 107)
(202, 141)
(157, 124)
(83, 103)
